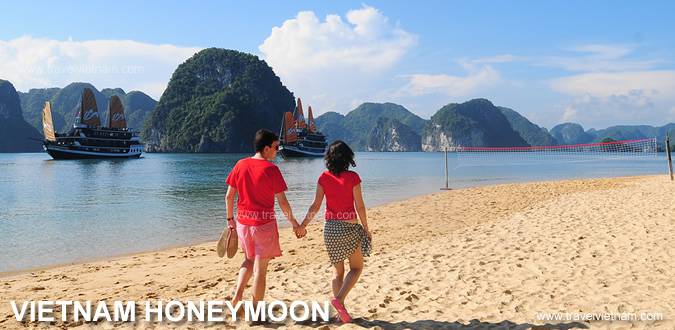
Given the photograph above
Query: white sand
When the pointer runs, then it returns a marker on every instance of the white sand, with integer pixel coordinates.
(489, 257)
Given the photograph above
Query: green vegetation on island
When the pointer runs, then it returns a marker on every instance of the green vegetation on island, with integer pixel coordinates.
(66, 103)
(215, 101)
(16, 135)
(474, 123)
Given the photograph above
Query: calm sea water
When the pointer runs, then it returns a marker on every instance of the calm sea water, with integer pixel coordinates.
(54, 212)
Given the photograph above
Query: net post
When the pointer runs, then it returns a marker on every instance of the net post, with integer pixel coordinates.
(670, 159)
(447, 179)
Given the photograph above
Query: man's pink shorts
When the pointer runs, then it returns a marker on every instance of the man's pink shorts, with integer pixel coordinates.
(259, 241)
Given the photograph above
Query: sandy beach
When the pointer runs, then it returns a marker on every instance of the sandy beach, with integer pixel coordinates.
(486, 257)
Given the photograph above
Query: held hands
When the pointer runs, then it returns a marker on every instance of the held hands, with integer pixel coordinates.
(299, 230)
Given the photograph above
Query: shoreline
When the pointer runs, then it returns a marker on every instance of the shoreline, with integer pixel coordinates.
(284, 224)
(476, 257)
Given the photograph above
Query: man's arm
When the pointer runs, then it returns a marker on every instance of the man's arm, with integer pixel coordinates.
(229, 203)
(286, 209)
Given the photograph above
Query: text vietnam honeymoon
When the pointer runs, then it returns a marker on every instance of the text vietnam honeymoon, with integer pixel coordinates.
(87, 138)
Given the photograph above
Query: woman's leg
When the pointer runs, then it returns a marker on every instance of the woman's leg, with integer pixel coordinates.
(338, 277)
(355, 269)
(245, 272)
(259, 278)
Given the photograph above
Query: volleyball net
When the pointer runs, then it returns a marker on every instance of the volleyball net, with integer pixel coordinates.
(624, 149)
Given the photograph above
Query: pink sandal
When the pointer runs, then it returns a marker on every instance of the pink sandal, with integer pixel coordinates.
(341, 310)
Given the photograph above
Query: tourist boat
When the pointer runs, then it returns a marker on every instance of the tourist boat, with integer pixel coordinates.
(300, 138)
(87, 139)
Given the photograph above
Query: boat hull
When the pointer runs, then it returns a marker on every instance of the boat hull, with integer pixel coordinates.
(63, 153)
(294, 152)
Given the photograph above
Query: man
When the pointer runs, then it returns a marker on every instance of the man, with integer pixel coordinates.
(257, 181)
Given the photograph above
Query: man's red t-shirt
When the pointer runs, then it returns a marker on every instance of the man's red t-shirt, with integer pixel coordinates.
(339, 190)
(256, 181)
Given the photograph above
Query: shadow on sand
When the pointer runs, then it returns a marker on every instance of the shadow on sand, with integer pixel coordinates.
(473, 324)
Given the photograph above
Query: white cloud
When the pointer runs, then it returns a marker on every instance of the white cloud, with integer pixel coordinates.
(610, 98)
(608, 51)
(30, 62)
(656, 83)
(633, 108)
(333, 62)
(454, 86)
(570, 114)
(598, 58)
(613, 87)
(503, 58)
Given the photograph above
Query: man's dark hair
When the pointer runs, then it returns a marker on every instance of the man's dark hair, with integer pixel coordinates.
(263, 138)
(338, 157)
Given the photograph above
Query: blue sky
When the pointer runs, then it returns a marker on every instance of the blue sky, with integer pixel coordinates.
(598, 63)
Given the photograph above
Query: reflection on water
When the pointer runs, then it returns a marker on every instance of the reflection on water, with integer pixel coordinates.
(65, 211)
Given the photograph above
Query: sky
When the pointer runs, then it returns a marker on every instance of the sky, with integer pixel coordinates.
(597, 63)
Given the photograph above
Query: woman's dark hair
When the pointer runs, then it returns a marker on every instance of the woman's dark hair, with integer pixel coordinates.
(263, 138)
(338, 157)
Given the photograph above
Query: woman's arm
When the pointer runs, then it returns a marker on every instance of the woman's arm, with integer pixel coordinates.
(314, 208)
(361, 208)
(229, 203)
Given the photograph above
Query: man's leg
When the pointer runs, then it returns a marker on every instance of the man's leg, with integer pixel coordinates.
(245, 273)
(259, 278)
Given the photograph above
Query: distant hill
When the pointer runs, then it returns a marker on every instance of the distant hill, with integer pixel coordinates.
(571, 133)
(15, 133)
(215, 102)
(631, 132)
(474, 123)
(392, 135)
(66, 102)
(332, 125)
(533, 134)
(137, 106)
(357, 126)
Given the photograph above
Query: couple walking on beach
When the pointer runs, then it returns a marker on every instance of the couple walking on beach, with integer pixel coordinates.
(258, 182)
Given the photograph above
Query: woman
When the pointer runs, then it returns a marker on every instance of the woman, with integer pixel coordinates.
(343, 236)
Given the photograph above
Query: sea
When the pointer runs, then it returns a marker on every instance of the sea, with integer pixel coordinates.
(56, 212)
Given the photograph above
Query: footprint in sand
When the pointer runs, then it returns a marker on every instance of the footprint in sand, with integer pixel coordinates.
(151, 295)
(412, 297)
(387, 300)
